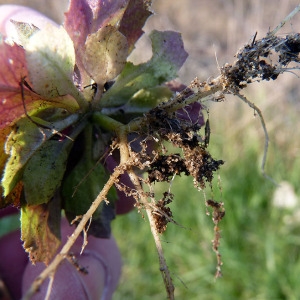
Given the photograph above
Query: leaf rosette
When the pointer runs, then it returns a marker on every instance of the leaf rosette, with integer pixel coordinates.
(63, 89)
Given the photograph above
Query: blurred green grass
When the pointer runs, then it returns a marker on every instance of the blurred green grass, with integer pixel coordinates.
(260, 249)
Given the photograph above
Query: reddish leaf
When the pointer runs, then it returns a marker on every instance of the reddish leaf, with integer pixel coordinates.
(13, 69)
(77, 23)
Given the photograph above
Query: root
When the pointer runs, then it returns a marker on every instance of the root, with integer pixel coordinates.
(263, 124)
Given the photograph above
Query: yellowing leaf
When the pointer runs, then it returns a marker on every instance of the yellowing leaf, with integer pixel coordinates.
(24, 140)
(40, 230)
(105, 54)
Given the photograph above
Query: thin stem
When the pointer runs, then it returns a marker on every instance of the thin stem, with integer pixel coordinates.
(203, 90)
(123, 145)
(51, 280)
(286, 19)
(106, 122)
(82, 102)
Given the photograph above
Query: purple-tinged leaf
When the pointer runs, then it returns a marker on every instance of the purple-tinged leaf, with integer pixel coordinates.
(135, 16)
(78, 21)
(167, 48)
(86, 17)
(13, 70)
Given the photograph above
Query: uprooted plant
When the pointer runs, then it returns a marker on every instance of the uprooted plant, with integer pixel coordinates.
(76, 95)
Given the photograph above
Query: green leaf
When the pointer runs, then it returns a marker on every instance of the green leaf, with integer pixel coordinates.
(145, 99)
(82, 186)
(105, 54)
(141, 102)
(44, 171)
(40, 230)
(168, 56)
(24, 140)
(131, 80)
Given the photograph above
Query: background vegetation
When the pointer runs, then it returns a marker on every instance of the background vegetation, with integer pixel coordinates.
(260, 243)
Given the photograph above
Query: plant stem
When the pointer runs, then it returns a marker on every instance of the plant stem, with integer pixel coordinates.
(286, 19)
(125, 156)
(106, 122)
(202, 90)
(162, 261)
(82, 102)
